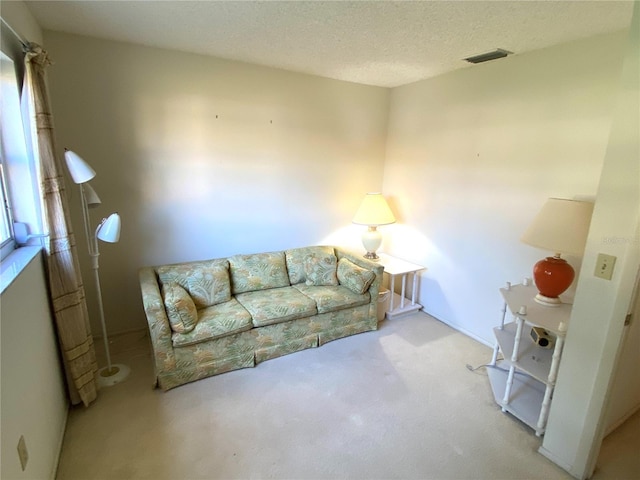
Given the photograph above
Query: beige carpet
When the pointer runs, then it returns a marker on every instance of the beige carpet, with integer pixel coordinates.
(398, 403)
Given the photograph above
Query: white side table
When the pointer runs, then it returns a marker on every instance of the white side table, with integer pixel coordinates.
(400, 304)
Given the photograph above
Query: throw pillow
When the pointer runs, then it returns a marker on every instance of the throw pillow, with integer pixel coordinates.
(320, 269)
(207, 282)
(180, 308)
(354, 277)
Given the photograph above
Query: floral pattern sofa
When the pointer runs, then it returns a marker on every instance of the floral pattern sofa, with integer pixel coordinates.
(214, 316)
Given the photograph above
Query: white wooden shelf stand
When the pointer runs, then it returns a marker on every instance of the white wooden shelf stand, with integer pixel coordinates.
(523, 382)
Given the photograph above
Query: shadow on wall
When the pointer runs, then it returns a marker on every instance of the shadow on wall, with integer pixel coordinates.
(434, 300)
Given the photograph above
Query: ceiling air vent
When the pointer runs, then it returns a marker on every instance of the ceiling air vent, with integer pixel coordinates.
(485, 57)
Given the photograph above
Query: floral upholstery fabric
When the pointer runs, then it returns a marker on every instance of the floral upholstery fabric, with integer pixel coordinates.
(214, 322)
(207, 282)
(276, 305)
(295, 261)
(258, 271)
(213, 357)
(230, 346)
(332, 298)
(354, 277)
(321, 269)
(181, 310)
(343, 323)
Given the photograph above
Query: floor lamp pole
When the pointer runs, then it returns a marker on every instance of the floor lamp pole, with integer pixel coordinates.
(86, 220)
(96, 276)
(111, 374)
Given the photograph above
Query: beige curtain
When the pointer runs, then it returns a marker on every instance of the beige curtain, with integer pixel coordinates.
(65, 280)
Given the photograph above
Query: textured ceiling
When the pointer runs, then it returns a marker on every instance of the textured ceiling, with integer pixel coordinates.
(385, 43)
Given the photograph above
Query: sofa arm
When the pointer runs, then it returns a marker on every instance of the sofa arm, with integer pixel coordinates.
(159, 328)
(359, 260)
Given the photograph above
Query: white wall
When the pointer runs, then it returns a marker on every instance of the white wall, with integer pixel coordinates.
(472, 156)
(34, 401)
(576, 420)
(205, 158)
(32, 391)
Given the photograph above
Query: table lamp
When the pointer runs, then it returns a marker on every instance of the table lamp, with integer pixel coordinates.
(561, 227)
(373, 212)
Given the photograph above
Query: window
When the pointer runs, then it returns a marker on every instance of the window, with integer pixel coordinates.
(7, 243)
(19, 175)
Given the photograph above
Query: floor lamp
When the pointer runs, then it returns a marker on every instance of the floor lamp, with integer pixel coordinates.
(107, 231)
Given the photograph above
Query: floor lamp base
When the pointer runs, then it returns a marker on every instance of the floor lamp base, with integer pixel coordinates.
(108, 378)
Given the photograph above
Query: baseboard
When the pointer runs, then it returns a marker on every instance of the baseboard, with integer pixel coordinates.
(98, 336)
(461, 330)
(619, 423)
(561, 463)
(56, 463)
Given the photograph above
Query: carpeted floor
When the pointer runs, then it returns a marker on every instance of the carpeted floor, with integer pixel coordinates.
(398, 403)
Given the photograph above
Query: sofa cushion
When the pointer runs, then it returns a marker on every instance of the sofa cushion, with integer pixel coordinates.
(320, 269)
(258, 271)
(181, 310)
(216, 321)
(276, 305)
(295, 258)
(333, 298)
(354, 277)
(207, 282)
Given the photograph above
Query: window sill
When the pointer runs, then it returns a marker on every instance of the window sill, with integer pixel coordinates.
(15, 263)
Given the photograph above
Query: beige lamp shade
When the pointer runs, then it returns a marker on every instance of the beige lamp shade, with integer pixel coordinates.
(374, 211)
(561, 226)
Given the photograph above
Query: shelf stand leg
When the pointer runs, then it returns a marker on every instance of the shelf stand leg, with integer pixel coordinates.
(514, 359)
(551, 381)
(496, 348)
(504, 315)
(404, 286)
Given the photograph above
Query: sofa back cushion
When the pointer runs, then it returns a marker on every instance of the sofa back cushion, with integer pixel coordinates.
(258, 271)
(296, 261)
(207, 282)
(180, 308)
(354, 277)
(320, 269)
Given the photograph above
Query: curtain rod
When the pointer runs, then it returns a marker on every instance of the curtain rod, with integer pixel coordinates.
(24, 43)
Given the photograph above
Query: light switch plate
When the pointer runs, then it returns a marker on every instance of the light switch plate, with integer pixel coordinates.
(604, 266)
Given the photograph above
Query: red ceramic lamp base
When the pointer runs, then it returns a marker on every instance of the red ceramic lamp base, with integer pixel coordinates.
(552, 276)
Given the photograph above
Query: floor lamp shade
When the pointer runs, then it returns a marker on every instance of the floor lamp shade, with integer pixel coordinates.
(373, 211)
(109, 230)
(79, 170)
(93, 200)
(562, 227)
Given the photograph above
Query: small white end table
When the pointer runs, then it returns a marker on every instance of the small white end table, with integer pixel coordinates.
(523, 382)
(400, 304)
